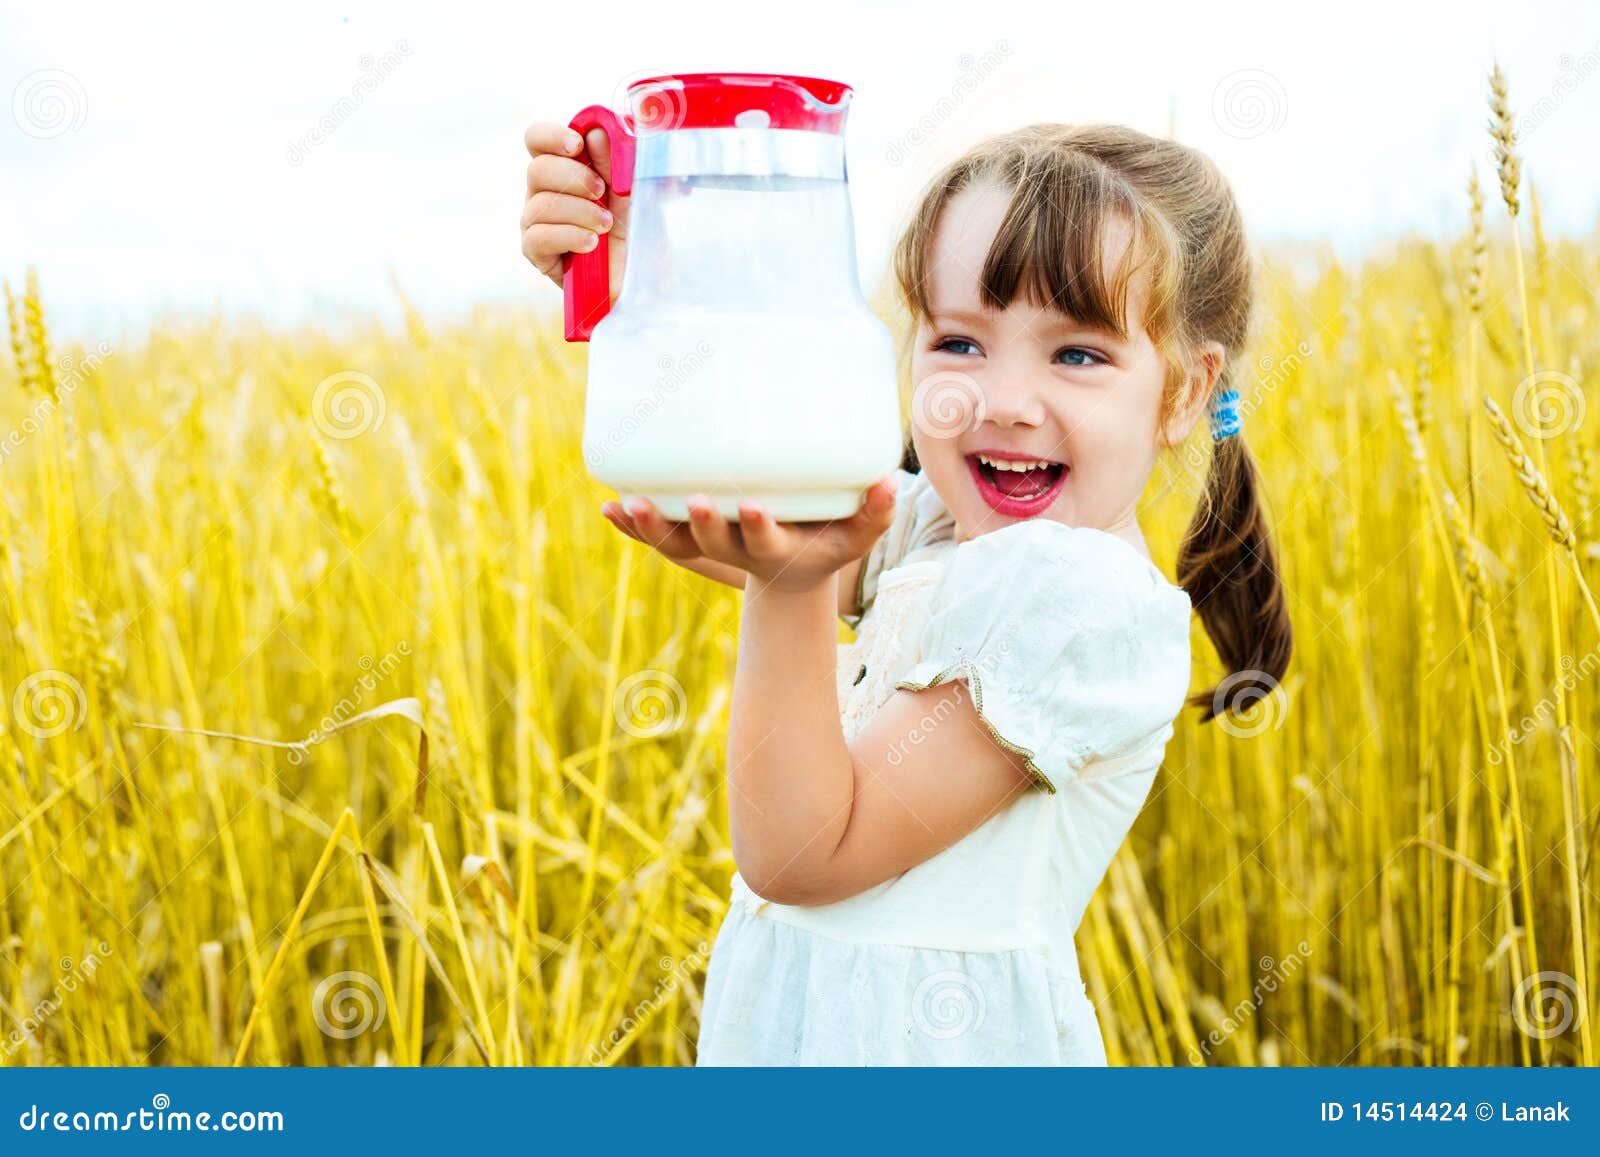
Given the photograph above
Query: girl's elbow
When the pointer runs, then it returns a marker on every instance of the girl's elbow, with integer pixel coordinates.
(790, 884)
(778, 887)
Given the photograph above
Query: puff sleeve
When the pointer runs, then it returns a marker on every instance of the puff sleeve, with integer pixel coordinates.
(1074, 645)
(920, 520)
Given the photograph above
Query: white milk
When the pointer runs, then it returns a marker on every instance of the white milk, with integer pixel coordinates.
(799, 413)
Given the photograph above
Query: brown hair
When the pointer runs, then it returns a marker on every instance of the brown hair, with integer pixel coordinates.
(1067, 183)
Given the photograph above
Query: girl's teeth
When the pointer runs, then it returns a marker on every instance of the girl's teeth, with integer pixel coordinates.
(1001, 464)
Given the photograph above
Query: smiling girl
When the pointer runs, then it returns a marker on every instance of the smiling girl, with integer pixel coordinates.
(919, 817)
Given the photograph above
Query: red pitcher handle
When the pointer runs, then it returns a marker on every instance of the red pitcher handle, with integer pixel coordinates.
(586, 277)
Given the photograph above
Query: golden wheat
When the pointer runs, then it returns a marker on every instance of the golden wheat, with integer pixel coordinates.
(434, 771)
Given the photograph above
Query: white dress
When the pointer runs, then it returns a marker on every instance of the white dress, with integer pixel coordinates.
(1077, 652)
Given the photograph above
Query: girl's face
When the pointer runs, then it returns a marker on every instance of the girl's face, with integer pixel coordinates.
(1035, 387)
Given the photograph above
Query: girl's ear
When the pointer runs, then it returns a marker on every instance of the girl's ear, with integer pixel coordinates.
(1196, 394)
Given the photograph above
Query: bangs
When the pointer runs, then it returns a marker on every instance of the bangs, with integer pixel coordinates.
(1054, 243)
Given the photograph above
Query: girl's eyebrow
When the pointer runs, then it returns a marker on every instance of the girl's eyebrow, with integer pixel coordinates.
(959, 314)
(1100, 333)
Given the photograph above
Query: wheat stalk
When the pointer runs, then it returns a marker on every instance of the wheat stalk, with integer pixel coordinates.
(1503, 131)
(1466, 553)
(1529, 475)
(19, 341)
(1480, 248)
(1423, 391)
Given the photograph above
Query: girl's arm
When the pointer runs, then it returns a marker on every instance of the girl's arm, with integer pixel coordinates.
(815, 818)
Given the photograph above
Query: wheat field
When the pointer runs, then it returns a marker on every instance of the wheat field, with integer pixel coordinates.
(337, 726)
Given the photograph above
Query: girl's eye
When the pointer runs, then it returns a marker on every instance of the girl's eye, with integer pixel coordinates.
(1075, 355)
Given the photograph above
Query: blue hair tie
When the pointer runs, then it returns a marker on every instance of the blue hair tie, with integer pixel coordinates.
(1225, 415)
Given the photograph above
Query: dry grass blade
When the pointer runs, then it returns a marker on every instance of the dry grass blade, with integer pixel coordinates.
(391, 890)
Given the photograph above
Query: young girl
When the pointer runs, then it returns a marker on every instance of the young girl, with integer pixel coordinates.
(920, 817)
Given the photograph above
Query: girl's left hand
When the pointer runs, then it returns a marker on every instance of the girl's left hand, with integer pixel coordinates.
(791, 556)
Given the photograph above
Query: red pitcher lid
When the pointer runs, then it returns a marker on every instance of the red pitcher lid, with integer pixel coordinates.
(717, 100)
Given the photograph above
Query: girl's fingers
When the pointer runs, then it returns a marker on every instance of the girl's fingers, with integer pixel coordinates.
(627, 528)
(545, 208)
(672, 539)
(756, 537)
(599, 147)
(877, 510)
(600, 152)
(552, 174)
(545, 245)
(856, 534)
(711, 531)
(617, 517)
(645, 524)
(550, 137)
(879, 499)
(763, 537)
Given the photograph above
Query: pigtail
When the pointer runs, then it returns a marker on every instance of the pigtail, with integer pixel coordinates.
(1229, 567)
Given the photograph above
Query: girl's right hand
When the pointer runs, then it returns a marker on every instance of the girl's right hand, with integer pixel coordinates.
(559, 216)
(795, 555)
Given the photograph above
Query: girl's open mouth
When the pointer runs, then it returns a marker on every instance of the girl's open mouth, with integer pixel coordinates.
(1016, 486)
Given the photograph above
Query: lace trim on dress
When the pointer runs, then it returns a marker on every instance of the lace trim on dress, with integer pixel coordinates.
(965, 667)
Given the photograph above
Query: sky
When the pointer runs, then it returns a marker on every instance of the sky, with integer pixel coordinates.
(169, 159)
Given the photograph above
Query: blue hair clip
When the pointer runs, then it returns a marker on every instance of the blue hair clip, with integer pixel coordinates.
(1225, 415)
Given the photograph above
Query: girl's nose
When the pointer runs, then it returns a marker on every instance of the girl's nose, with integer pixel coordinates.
(1010, 399)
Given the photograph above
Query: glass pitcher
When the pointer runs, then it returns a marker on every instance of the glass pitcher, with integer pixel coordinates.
(740, 359)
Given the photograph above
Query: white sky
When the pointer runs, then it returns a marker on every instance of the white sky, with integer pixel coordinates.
(168, 188)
